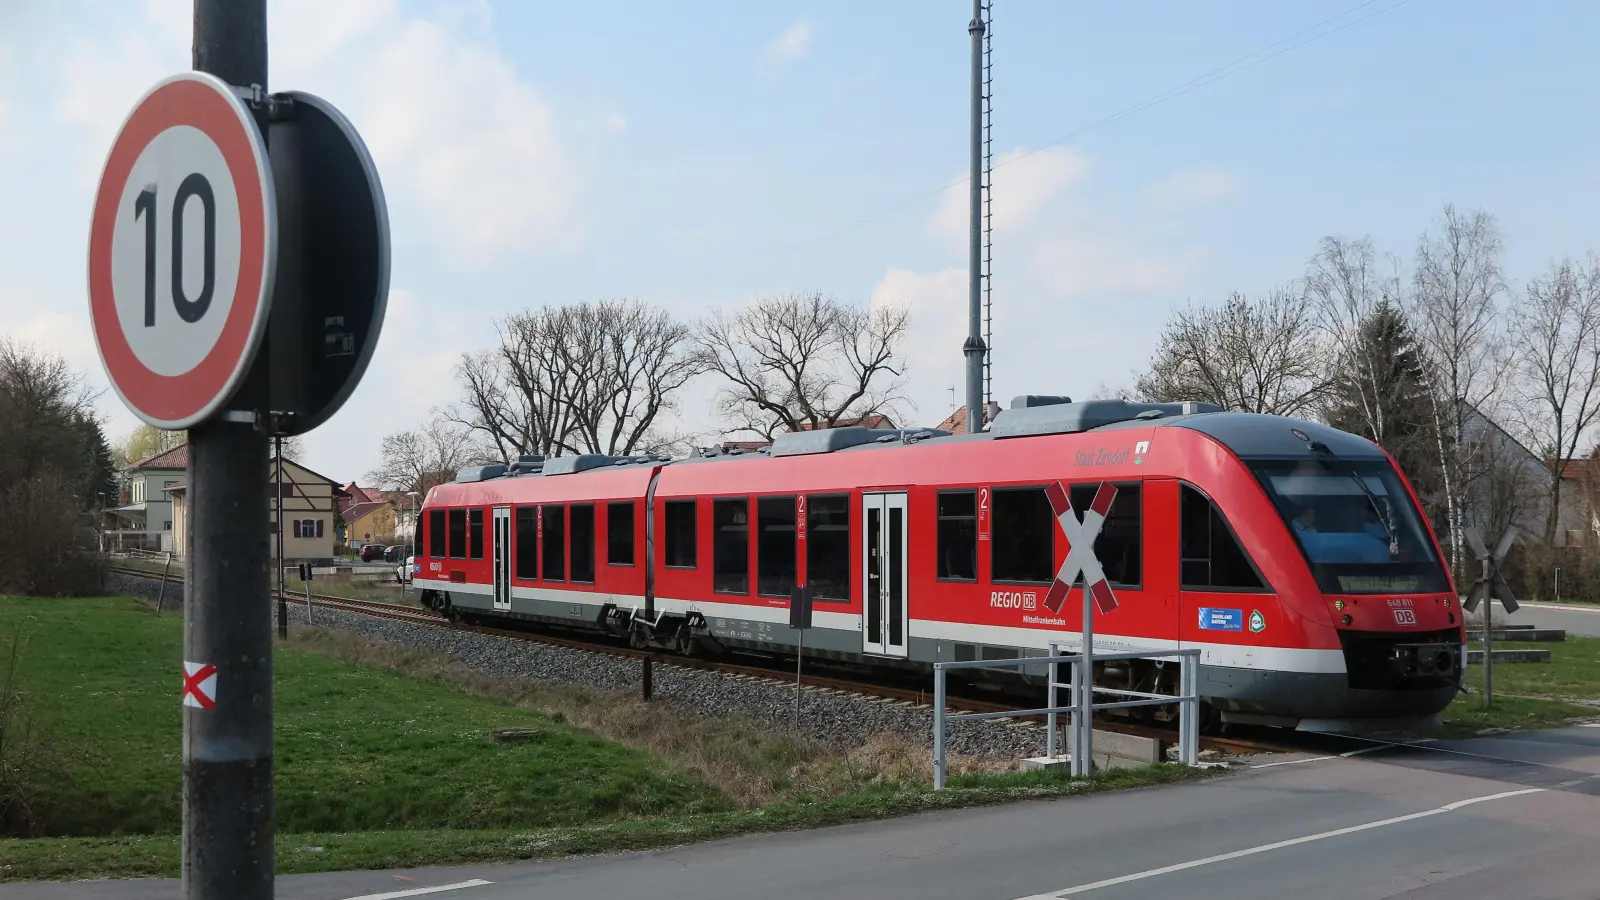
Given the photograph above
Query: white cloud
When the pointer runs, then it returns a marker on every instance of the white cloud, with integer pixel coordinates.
(1077, 290)
(1193, 186)
(616, 123)
(794, 43)
(6, 90)
(468, 151)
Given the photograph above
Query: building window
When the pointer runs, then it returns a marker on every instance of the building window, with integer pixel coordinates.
(583, 543)
(958, 536)
(527, 542)
(553, 542)
(1023, 548)
(619, 534)
(1120, 542)
(308, 528)
(680, 536)
(1212, 559)
(475, 532)
(775, 546)
(435, 530)
(828, 548)
(458, 534)
(166, 525)
(730, 546)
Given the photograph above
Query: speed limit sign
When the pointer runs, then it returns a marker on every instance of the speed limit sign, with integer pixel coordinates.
(182, 251)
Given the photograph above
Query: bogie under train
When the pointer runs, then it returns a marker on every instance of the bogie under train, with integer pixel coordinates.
(1291, 554)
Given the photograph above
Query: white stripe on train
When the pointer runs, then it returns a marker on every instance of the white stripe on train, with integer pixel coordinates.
(1280, 659)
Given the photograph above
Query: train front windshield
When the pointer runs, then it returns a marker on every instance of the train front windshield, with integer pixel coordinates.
(1357, 525)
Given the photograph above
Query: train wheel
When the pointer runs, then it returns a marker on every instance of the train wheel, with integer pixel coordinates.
(1210, 719)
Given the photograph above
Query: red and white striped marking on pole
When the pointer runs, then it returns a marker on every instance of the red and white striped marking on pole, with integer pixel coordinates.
(200, 685)
(1080, 547)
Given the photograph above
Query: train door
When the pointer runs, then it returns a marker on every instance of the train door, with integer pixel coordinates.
(884, 531)
(502, 558)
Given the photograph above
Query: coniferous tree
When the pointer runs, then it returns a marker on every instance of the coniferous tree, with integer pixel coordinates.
(1387, 400)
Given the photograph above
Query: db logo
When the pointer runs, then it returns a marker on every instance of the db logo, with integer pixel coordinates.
(1405, 617)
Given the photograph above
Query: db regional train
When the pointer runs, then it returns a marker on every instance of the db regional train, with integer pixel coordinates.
(1291, 554)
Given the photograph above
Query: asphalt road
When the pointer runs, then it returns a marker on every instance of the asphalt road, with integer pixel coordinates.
(1514, 816)
(1583, 621)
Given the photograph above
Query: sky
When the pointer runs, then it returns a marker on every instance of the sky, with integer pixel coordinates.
(698, 155)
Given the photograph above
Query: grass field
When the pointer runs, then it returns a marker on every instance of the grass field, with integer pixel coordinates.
(1533, 695)
(384, 758)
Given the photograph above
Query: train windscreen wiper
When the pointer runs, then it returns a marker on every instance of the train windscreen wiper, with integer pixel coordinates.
(1377, 509)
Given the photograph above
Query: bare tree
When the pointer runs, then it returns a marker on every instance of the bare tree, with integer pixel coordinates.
(800, 361)
(1555, 342)
(1346, 285)
(587, 378)
(1457, 285)
(424, 457)
(1253, 355)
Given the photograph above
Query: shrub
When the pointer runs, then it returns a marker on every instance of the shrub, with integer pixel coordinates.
(48, 552)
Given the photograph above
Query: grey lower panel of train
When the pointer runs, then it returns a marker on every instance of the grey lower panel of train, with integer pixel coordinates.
(1320, 701)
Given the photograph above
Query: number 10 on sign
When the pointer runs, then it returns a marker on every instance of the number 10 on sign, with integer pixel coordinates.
(182, 251)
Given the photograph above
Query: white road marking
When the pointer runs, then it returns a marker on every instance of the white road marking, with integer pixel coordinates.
(1563, 607)
(1066, 893)
(1349, 753)
(417, 892)
(1290, 762)
(1589, 725)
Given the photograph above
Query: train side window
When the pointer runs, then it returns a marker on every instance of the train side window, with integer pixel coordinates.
(828, 548)
(436, 534)
(1024, 535)
(730, 546)
(475, 532)
(553, 546)
(619, 534)
(1211, 558)
(958, 536)
(581, 522)
(1121, 539)
(458, 534)
(776, 555)
(680, 537)
(527, 542)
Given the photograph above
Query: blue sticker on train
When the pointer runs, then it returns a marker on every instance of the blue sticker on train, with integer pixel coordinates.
(1222, 619)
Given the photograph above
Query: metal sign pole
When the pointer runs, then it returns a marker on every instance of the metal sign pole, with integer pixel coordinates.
(277, 490)
(1488, 644)
(1085, 766)
(227, 750)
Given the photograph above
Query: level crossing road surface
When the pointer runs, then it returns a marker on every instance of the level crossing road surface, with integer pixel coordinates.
(1509, 816)
(1583, 621)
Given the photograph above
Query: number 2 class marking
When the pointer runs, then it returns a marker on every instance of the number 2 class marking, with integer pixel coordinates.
(197, 187)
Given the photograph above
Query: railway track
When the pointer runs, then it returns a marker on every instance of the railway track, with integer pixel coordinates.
(774, 673)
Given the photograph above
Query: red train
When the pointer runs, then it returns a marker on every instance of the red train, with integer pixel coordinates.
(1291, 554)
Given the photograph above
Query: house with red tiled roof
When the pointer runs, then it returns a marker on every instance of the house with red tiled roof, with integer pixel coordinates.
(143, 521)
(956, 423)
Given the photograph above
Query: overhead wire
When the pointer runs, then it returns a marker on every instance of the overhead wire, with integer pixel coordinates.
(1226, 70)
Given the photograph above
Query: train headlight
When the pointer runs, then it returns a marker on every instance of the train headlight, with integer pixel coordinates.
(1345, 619)
(1445, 601)
(1339, 604)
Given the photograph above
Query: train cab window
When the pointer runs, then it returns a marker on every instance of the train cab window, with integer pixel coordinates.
(776, 555)
(553, 546)
(730, 546)
(1121, 536)
(828, 548)
(475, 533)
(958, 536)
(436, 534)
(458, 534)
(527, 542)
(1212, 559)
(619, 534)
(1024, 534)
(582, 525)
(680, 534)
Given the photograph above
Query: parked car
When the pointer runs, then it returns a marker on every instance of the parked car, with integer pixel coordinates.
(394, 553)
(372, 552)
(404, 572)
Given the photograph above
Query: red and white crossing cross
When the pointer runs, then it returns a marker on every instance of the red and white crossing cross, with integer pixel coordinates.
(1080, 547)
(200, 685)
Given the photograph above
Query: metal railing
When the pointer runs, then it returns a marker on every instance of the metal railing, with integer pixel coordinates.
(1080, 711)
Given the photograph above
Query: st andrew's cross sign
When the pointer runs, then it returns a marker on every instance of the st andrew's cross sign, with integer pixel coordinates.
(1080, 537)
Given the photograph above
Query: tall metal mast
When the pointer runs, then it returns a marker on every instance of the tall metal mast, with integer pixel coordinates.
(988, 204)
(974, 347)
